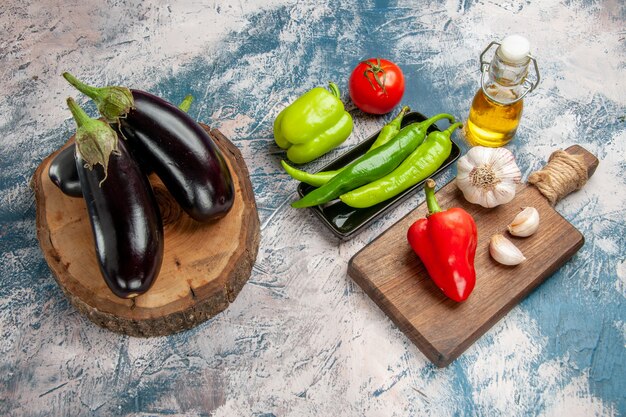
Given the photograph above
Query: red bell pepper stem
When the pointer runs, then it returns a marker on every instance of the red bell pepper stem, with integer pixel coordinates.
(431, 201)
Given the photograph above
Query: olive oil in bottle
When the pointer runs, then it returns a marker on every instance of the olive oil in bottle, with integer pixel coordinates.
(490, 123)
(497, 107)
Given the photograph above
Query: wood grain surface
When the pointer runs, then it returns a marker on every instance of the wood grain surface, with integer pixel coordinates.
(205, 265)
(394, 277)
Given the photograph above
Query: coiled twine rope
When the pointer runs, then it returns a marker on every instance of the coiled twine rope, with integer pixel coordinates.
(563, 174)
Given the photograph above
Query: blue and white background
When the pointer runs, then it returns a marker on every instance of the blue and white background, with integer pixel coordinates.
(302, 339)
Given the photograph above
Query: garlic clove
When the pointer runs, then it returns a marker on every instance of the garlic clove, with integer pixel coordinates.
(505, 191)
(504, 251)
(525, 223)
(504, 162)
(490, 199)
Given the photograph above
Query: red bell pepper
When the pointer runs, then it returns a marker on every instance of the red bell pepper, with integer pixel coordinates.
(446, 241)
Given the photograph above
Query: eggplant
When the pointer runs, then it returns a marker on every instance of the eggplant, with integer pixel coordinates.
(62, 170)
(126, 223)
(171, 143)
(182, 155)
(123, 212)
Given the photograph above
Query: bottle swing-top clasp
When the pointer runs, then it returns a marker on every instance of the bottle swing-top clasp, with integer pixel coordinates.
(529, 84)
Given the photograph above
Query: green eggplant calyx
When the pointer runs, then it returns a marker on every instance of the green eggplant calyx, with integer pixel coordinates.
(95, 139)
(113, 102)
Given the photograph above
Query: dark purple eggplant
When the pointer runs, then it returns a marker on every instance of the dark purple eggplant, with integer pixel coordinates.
(124, 215)
(179, 150)
(63, 171)
(182, 154)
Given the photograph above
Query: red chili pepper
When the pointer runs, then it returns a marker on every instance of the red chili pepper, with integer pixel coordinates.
(446, 241)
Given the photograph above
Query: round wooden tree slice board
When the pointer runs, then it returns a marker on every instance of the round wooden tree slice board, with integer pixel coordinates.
(204, 265)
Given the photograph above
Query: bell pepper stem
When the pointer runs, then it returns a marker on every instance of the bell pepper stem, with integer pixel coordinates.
(431, 201)
(334, 89)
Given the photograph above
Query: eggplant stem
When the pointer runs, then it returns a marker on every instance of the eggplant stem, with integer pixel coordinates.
(79, 115)
(88, 90)
(186, 103)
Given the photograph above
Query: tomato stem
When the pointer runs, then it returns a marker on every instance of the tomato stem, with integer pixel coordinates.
(375, 69)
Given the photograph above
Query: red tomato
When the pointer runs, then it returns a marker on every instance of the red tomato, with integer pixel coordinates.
(376, 86)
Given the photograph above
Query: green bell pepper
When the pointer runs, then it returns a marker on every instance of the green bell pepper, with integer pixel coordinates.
(312, 125)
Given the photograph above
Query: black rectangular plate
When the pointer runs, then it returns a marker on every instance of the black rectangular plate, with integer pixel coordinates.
(345, 221)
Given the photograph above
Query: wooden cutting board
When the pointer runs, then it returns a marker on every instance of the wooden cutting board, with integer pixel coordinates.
(204, 267)
(393, 276)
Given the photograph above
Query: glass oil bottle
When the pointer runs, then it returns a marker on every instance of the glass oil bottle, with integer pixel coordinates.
(497, 107)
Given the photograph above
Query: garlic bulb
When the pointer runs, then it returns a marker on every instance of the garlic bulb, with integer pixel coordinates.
(525, 223)
(488, 176)
(504, 251)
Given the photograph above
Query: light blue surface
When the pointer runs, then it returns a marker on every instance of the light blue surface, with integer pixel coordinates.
(302, 338)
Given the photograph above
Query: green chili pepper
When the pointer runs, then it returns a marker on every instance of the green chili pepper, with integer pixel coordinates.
(372, 165)
(388, 132)
(312, 125)
(316, 180)
(422, 163)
